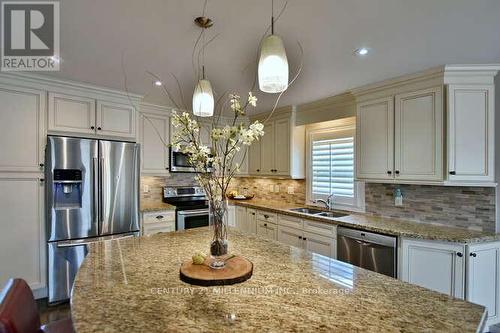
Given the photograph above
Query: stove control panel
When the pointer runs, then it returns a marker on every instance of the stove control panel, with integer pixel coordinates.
(173, 192)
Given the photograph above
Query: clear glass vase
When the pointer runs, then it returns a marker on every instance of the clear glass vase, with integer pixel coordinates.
(218, 227)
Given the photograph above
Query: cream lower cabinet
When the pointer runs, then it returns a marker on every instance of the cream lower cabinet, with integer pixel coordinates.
(240, 218)
(22, 240)
(156, 222)
(482, 277)
(251, 222)
(466, 271)
(291, 236)
(231, 216)
(154, 128)
(434, 265)
(323, 245)
(267, 230)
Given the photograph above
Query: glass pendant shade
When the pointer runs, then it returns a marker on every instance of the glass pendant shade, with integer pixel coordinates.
(273, 65)
(203, 99)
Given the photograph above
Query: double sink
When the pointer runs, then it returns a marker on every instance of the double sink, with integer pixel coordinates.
(318, 212)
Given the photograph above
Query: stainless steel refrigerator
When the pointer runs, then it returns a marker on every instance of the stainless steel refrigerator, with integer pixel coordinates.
(92, 194)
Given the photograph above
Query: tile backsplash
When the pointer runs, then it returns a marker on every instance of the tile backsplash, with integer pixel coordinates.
(260, 187)
(465, 207)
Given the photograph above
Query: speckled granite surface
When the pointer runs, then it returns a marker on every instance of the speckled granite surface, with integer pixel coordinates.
(133, 285)
(390, 226)
(155, 206)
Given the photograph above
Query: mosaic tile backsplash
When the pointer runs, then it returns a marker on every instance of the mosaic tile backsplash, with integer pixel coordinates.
(465, 207)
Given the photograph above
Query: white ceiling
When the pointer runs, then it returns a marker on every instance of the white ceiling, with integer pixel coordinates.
(158, 35)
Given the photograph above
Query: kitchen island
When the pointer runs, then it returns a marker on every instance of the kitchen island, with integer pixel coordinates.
(133, 285)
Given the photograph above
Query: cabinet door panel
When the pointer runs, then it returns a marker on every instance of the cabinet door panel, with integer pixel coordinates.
(241, 219)
(22, 242)
(282, 147)
(483, 282)
(435, 266)
(22, 129)
(73, 114)
(471, 133)
(116, 119)
(267, 150)
(375, 139)
(419, 135)
(290, 236)
(320, 244)
(251, 221)
(154, 150)
(206, 133)
(254, 158)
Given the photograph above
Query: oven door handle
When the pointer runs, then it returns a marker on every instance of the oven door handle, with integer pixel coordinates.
(194, 212)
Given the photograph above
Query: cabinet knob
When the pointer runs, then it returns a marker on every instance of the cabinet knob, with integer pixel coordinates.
(159, 217)
(167, 168)
(473, 255)
(258, 170)
(397, 172)
(92, 127)
(266, 216)
(98, 128)
(42, 180)
(300, 237)
(265, 224)
(304, 238)
(453, 173)
(41, 165)
(459, 254)
(389, 172)
(253, 213)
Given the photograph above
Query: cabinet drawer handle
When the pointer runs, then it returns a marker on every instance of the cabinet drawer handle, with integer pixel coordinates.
(300, 237)
(266, 216)
(304, 238)
(389, 172)
(459, 254)
(159, 217)
(453, 173)
(473, 255)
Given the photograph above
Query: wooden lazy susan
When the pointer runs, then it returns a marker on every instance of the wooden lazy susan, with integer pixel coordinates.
(236, 270)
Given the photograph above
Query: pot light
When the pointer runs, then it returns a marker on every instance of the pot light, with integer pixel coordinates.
(361, 51)
(158, 83)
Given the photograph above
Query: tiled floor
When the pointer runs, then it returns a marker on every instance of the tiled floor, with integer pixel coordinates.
(52, 313)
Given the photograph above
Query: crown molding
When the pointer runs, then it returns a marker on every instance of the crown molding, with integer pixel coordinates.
(46, 82)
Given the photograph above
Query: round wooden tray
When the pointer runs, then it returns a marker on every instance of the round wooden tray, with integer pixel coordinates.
(237, 270)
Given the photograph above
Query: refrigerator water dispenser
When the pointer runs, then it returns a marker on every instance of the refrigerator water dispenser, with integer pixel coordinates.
(67, 189)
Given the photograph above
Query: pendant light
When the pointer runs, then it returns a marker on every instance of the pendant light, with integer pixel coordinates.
(203, 98)
(273, 64)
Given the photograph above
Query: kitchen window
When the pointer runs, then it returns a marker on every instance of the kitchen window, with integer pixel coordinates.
(331, 165)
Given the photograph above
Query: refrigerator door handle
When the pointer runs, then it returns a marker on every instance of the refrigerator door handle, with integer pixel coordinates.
(95, 192)
(101, 199)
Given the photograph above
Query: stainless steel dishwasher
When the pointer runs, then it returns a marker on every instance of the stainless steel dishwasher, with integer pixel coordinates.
(368, 250)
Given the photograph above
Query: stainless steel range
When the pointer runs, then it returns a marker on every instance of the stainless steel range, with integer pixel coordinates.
(191, 206)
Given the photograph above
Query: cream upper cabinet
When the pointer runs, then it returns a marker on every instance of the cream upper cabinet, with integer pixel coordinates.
(267, 150)
(116, 119)
(375, 139)
(483, 280)
(281, 151)
(254, 158)
(22, 241)
(282, 147)
(434, 265)
(471, 113)
(22, 129)
(69, 113)
(154, 138)
(418, 139)
(206, 133)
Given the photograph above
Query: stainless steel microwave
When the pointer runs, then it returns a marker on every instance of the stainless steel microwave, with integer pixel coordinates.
(179, 162)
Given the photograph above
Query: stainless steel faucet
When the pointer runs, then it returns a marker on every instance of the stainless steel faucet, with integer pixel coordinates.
(328, 202)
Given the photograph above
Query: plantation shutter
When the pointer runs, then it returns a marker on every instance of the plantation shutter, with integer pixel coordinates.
(333, 167)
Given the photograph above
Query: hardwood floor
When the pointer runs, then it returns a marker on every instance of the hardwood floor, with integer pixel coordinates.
(50, 314)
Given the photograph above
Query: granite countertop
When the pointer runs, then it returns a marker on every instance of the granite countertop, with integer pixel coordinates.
(389, 226)
(155, 206)
(133, 285)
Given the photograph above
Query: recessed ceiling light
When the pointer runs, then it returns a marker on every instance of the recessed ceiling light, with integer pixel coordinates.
(361, 51)
(158, 83)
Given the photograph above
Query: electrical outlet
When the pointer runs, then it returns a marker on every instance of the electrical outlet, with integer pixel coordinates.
(398, 198)
(276, 189)
(145, 188)
(271, 188)
(291, 190)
